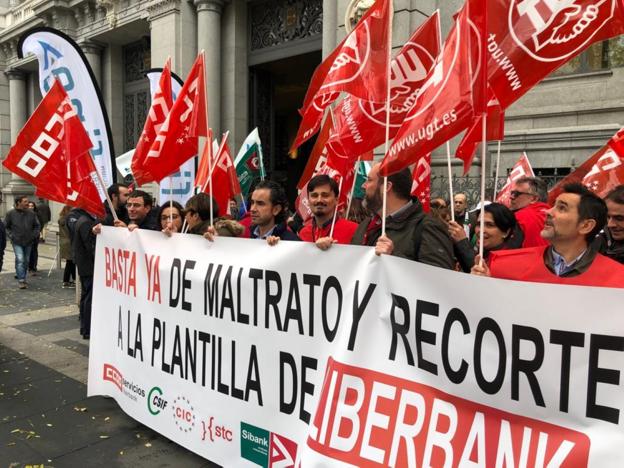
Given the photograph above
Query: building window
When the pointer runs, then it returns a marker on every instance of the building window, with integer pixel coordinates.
(598, 57)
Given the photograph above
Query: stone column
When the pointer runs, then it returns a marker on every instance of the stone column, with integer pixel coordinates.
(18, 114)
(330, 24)
(93, 52)
(209, 39)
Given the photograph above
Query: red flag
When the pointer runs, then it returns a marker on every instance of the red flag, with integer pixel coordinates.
(159, 109)
(495, 131)
(368, 156)
(203, 168)
(318, 155)
(445, 102)
(421, 182)
(606, 174)
(224, 180)
(357, 67)
(38, 153)
(617, 142)
(522, 168)
(361, 124)
(83, 186)
(176, 140)
(52, 153)
(530, 39)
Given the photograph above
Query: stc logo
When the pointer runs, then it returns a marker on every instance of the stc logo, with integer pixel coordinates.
(214, 432)
(183, 414)
(155, 401)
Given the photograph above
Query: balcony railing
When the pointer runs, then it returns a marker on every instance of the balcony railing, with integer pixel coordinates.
(19, 12)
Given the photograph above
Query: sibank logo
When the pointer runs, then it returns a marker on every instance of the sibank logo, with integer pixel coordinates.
(183, 414)
(155, 401)
(266, 448)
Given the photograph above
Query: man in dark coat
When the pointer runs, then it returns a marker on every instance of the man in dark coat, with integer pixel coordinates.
(269, 211)
(610, 242)
(410, 232)
(83, 249)
(22, 228)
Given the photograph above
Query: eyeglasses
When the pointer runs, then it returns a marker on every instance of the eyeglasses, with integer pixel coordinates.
(517, 193)
(166, 217)
(135, 205)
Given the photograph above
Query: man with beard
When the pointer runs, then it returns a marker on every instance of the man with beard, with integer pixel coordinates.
(410, 232)
(323, 199)
(571, 226)
(527, 201)
(118, 194)
(610, 242)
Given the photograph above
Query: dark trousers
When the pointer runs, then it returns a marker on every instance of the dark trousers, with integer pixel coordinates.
(69, 274)
(86, 283)
(1, 258)
(34, 256)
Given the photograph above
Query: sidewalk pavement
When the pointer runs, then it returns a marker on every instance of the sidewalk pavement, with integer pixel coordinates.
(46, 418)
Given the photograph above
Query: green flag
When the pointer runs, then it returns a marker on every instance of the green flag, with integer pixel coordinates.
(360, 177)
(249, 162)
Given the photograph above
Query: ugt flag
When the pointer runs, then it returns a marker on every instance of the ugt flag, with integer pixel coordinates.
(357, 67)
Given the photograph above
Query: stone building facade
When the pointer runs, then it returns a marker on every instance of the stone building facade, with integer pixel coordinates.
(260, 55)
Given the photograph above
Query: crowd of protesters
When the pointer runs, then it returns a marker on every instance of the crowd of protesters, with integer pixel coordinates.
(579, 240)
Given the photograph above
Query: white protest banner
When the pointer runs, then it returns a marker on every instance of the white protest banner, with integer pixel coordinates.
(61, 58)
(250, 354)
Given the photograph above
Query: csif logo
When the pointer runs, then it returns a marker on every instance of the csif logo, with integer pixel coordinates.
(156, 403)
(213, 432)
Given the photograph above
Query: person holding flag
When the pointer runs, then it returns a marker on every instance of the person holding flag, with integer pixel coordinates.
(410, 232)
(323, 200)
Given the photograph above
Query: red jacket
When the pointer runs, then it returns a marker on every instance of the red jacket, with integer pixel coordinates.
(343, 231)
(531, 219)
(528, 265)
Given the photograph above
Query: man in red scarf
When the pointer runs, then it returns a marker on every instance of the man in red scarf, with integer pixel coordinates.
(570, 228)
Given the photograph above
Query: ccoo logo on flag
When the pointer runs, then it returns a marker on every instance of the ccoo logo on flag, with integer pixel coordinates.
(553, 30)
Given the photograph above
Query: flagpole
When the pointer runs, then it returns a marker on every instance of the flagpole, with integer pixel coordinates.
(104, 188)
(170, 201)
(355, 173)
(482, 211)
(208, 137)
(498, 151)
(450, 176)
(384, 208)
(331, 231)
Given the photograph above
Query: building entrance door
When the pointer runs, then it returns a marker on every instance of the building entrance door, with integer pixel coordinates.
(277, 92)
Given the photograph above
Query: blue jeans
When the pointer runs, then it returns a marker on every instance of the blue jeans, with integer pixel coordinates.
(22, 255)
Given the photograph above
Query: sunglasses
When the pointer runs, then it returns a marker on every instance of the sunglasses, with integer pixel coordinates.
(517, 193)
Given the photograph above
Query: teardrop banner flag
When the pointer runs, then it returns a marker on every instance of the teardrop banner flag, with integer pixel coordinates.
(61, 58)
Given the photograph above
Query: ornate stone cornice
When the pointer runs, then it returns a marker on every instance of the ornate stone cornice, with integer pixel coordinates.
(158, 8)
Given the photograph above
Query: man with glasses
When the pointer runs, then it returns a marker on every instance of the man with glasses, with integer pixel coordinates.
(528, 197)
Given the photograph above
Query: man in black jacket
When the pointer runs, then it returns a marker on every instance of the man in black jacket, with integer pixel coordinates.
(83, 249)
(22, 228)
(141, 211)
